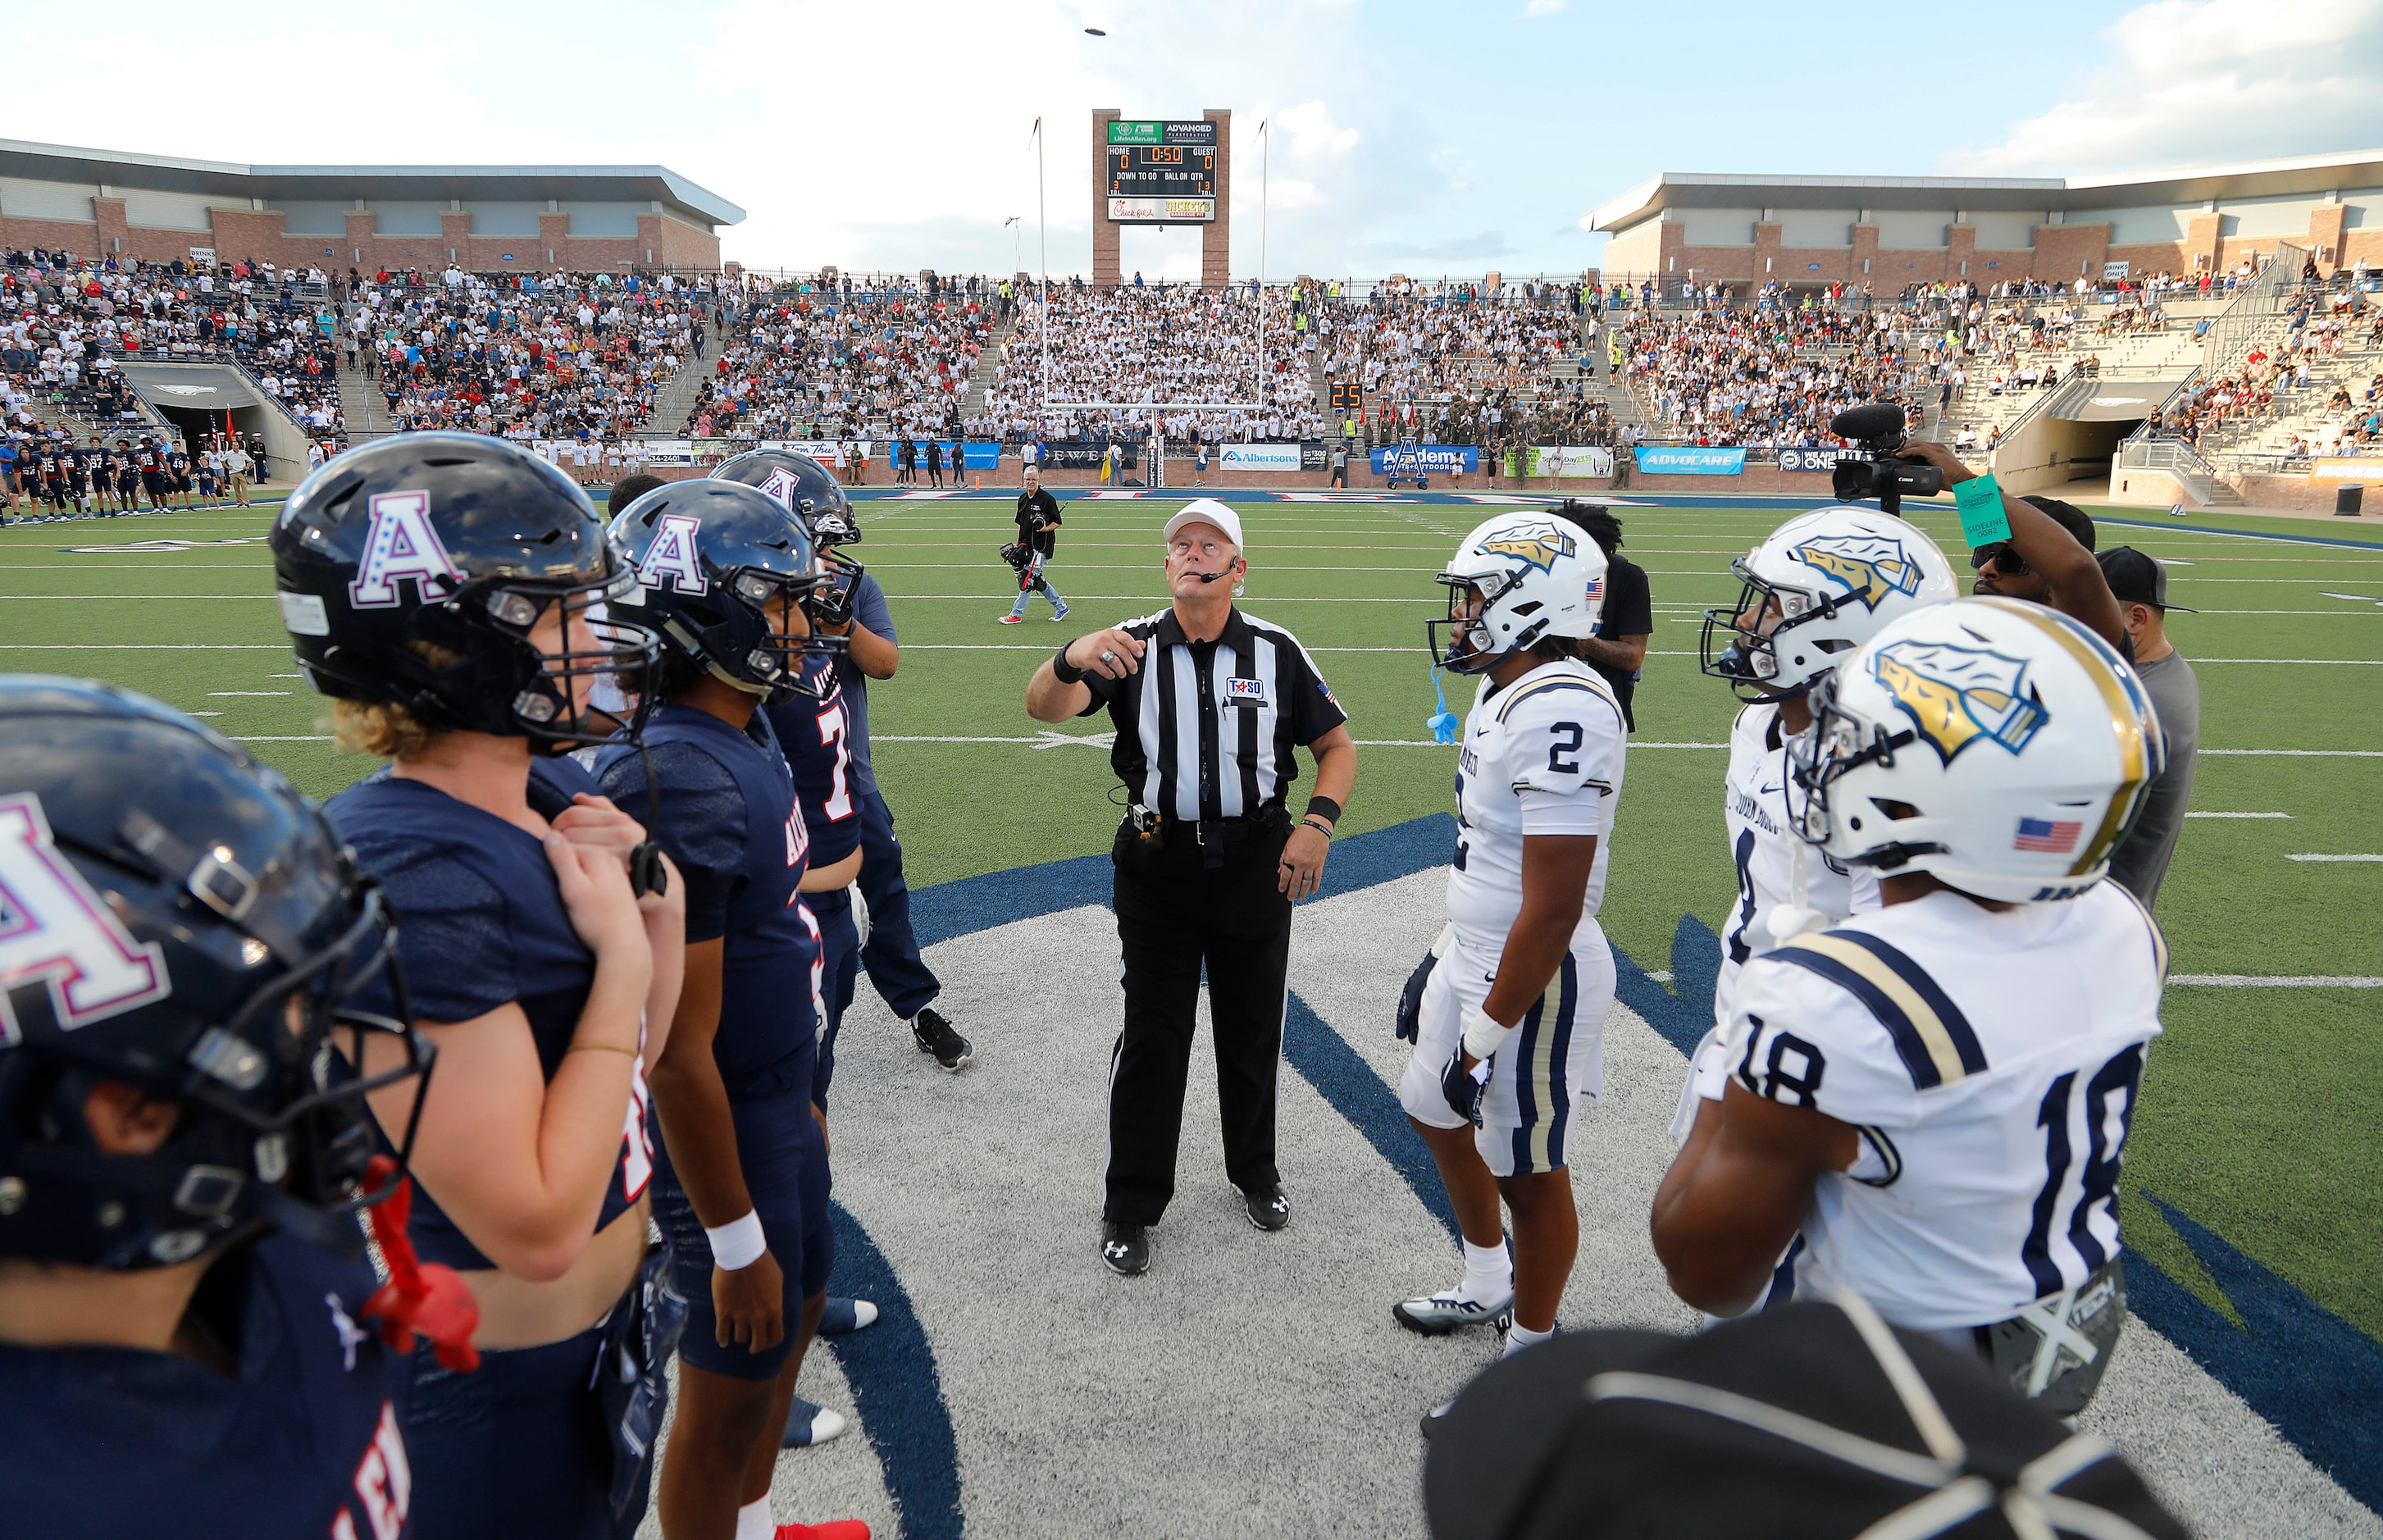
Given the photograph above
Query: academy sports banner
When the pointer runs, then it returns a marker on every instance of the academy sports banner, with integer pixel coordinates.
(1428, 459)
(1565, 459)
(1808, 460)
(1690, 461)
(1258, 456)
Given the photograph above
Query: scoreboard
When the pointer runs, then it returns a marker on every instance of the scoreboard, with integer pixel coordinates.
(1162, 173)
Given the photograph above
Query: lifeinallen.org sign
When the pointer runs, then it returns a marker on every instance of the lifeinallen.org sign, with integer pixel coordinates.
(1163, 211)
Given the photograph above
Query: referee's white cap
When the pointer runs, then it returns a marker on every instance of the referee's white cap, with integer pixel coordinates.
(1206, 511)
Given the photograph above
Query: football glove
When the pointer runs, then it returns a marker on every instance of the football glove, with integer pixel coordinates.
(1408, 1023)
(1463, 1087)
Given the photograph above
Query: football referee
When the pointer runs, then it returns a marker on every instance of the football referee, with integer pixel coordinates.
(1208, 703)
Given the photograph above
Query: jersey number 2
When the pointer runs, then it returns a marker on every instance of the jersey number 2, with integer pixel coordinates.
(1557, 750)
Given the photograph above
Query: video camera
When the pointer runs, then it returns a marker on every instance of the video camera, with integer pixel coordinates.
(1878, 430)
(1021, 557)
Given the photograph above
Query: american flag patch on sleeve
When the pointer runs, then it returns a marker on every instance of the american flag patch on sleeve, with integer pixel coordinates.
(2056, 839)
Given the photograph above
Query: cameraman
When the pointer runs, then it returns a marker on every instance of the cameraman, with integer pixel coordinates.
(1038, 523)
(2048, 558)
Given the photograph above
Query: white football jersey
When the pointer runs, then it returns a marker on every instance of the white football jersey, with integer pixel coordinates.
(1990, 1062)
(1762, 847)
(1544, 756)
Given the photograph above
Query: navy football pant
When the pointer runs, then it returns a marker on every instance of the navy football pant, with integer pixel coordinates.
(892, 954)
(839, 973)
(517, 1446)
(785, 1157)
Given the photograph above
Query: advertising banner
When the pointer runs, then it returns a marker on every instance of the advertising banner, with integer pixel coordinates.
(2113, 272)
(1163, 211)
(2368, 468)
(1315, 455)
(1690, 461)
(669, 451)
(1566, 460)
(1427, 459)
(1083, 456)
(1808, 460)
(1258, 456)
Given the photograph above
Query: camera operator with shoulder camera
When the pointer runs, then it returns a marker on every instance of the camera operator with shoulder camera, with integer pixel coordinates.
(1037, 543)
(2044, 552)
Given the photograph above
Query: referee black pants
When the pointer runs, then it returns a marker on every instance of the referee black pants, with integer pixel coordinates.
(1174, 914)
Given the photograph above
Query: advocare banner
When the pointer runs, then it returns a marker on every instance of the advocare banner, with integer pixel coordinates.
(1690, 461)
(1429, 459)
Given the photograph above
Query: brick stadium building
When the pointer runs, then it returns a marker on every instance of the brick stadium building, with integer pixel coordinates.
(489, 218)
(1891, 231)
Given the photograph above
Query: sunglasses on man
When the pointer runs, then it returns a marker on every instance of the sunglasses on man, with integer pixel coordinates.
(2007, 560)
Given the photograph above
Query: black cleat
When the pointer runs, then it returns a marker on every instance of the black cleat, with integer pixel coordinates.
(1125, 1248)
(1269, 1210)
(935, 1036)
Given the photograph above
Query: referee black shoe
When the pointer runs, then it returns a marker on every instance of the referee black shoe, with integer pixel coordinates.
(1269, 1210)
(935, 1036)
(1125, 1248)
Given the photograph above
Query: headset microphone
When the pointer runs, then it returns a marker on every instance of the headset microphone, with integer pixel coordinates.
(1215, 577)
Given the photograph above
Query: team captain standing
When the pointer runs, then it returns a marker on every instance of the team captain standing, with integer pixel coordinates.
(1208, 703)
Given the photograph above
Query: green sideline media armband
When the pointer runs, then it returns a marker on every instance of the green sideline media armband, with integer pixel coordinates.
(1983, 521)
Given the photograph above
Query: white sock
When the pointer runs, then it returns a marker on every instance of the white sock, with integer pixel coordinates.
(1489, 1275)
(1517, 1339)
(754, 1522)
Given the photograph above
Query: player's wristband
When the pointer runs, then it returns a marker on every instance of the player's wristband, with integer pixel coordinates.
(738, 1244)
(1324, 807)
(1065, 672)
(1483, 1036)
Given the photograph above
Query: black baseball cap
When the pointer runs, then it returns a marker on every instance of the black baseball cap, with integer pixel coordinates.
(1809, 1421)
(2136, 578)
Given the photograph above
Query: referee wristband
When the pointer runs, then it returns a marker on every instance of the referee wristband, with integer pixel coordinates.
(1065, 672)
(1324, 807)
(738, 1244)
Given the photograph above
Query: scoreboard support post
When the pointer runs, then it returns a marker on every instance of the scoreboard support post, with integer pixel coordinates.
(1215, 230)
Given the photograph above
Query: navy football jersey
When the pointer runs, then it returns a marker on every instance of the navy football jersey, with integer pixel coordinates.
(298, 1441)
(816, 735)
(730, 824)
(480, 924)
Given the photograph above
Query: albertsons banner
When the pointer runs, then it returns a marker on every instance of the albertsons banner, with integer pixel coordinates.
(1430, 459)
(1691, 461)
(1258, 456)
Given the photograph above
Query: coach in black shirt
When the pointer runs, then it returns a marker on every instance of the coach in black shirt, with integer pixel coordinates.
(1209, 704)
(1619, 649)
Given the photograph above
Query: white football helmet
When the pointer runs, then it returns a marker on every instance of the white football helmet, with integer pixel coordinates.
(1821, 585)
(2012, 744)
(1537, 575)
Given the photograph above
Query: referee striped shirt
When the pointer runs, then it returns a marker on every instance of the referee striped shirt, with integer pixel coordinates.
(1204, 730)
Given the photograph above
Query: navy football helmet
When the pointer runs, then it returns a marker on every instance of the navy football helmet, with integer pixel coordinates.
(459, 545)
(179, 921)
(719, 568)
(803, 486)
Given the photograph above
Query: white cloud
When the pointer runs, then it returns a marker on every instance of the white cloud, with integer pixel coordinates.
(1538, 8)
(2204, 81)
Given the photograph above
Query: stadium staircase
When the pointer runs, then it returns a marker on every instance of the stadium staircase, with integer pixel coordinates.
(674, 402)
(361, 404)
(988, 364)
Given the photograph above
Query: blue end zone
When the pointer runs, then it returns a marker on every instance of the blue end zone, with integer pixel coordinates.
(2317, 1378)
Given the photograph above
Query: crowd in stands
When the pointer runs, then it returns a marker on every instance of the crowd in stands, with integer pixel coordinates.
(2276, 379)
(528, 356)
(1196, 348)
(1772, 377)
(871, 358)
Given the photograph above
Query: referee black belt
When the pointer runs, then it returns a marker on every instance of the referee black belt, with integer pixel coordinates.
(1211, 836)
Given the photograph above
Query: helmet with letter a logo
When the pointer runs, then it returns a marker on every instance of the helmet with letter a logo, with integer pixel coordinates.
(801, 485)
(465, 579)
(177, 924)
(1998, 745)
(1821, 585)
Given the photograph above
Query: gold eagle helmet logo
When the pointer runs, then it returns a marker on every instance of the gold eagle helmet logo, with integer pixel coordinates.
(1957, 695)
(1534, 545)
(1869, 567)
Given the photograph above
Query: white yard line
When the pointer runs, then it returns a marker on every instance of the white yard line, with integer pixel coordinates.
(2273, 981)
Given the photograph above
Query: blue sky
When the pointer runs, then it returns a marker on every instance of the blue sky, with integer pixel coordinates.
(1406, 137)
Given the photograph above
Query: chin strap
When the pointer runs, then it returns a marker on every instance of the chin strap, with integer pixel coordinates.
(426, 1296)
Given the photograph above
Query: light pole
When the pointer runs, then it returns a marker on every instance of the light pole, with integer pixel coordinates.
(1017, 236)
(1266, 156)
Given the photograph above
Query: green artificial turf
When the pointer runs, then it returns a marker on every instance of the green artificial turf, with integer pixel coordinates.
(2260, 1107)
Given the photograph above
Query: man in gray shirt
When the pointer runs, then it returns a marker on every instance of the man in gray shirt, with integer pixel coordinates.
(2140, 584)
